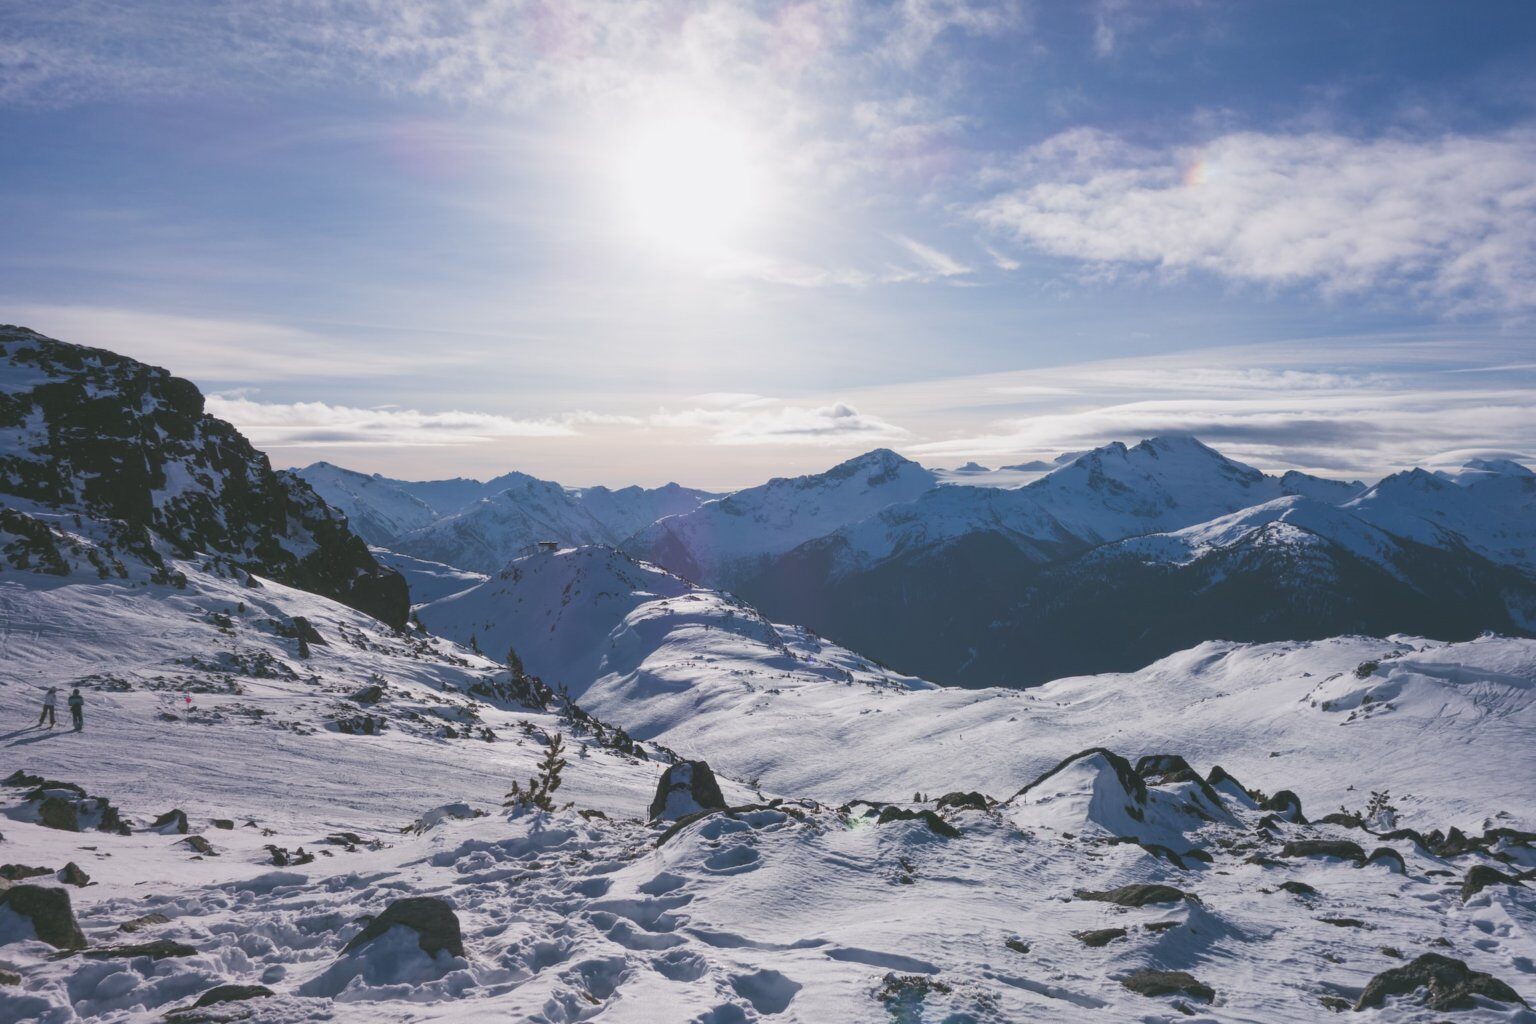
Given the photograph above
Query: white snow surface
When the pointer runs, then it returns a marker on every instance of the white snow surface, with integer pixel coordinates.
(799, 912)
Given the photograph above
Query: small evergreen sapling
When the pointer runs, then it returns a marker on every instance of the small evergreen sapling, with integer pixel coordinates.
(540, 791)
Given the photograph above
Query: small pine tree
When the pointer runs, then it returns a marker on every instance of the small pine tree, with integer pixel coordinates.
(540, 791)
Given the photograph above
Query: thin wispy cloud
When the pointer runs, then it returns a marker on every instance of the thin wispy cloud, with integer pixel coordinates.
(319, 424)
(1448, 220)
(758, 421)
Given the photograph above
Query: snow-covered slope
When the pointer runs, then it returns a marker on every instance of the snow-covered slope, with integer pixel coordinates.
(1488, 506)
(727, 539)
(378, 509)
(1049, 901)
(701, 671)
(486, 535)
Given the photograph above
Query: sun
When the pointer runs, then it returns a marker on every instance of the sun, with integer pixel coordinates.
(691, 183)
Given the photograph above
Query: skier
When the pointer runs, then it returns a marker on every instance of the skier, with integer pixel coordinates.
(50, 702)
(77, 708)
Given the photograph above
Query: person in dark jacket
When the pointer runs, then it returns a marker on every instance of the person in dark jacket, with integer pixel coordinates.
(77, 708)
(50, 704)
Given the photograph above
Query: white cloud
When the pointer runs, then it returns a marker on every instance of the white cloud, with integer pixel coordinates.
(1450, 221)
(750, 423)
(215, 349)
(932, 261)
(319, 424)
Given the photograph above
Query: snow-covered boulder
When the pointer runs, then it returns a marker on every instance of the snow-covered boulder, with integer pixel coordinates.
(687, 787)
(39, 911)
(1097, 792)
(434, 922)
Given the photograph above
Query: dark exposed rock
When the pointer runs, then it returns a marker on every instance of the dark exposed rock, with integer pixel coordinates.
(1217, 775)
(370, 694)
(1390, 857)
(231, 994)
(21, 778)
(222, 823)
(155, 949)
(1168, 983)
(1447, 984)
(172, 821)
(1287, 805)
(686, 788)
(1133, 783)
(108, 434)
(1136, 895)
(1343, 922)
(9, 978)
(49, 910)
(1153, 766)
(140, 923)
(963, 801)
(434, 922)
(1298, 888)
(937, 825)
(60, 813)
(70, 874)
(1341, 848)
(200, 844)
(1340, 818)
(1099, 936)
(1481, 877)
(16, 872)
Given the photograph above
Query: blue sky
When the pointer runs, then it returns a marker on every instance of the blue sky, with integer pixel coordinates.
(713, 242)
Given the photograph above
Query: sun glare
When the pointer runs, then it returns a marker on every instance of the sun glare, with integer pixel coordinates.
(691, 184)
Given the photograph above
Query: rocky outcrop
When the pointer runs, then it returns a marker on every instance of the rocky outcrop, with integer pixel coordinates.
(686, 788)
(49, 910)
(1136, 895)
(131, 448)
(1446, 983)
(433, 921)
(231, 994)
(1481, 877)
(1168, 983)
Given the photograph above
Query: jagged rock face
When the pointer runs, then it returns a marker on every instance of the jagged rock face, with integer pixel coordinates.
(128, 446)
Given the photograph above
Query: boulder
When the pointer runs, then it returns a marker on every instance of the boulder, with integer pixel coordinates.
(9, 978)
(140, 923)
(201, 845)
(1298, 888)
(48, 908)
(963, 801)
(70, 874)
(1481, 877)
(1099, 936)
(686, 788)
(17, 872)
(1137, 895)
(172, 822)
(231, 994)
(1390, 858)
(1287, 805)
(433, 921)
(1447, 984)
(1341, 848)
(155, 949)
(937, 825)
(60, 813)
(226, 824)
(1168, 983)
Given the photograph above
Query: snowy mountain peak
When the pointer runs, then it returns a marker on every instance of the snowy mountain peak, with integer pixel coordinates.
(1503, 467)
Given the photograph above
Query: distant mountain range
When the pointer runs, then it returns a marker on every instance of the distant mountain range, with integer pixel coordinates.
(1105, 561)
(482, 526)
